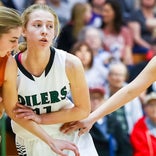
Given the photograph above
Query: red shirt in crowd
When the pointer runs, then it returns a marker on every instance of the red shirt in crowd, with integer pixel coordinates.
(143, 142)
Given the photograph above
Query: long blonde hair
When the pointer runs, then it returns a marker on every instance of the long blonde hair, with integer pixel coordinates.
(25, 18)
(77, 15)
(9, 19)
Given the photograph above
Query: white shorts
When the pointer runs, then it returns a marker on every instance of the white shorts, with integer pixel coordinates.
(29, 145)
(36, 147)
(86, 145)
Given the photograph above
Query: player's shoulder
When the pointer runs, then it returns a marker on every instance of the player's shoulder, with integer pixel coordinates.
(73, 66)
(11, 68)
(72, 60)
(11, 64)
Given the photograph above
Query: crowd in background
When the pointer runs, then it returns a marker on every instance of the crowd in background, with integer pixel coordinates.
(114, 39)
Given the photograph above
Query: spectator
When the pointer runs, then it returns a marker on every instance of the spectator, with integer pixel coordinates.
(94, 37)
(95, 75)
(80, 16)
(129, 114)
(117, 38)
(143, 136)
(16, 4)
(96, 20)
(142, 25)
(127, 7)
(107, 133)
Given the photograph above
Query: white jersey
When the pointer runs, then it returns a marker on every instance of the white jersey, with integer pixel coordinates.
(46, 93)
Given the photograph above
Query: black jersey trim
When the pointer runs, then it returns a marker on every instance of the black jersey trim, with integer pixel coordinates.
(47, 69)
(22, 69)
(51, 60)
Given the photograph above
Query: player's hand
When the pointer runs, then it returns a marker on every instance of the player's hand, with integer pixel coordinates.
(26, 113)
(58, 146)
(83, 126)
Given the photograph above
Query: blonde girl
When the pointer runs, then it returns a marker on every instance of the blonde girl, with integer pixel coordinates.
(10, 31)
(46, 76)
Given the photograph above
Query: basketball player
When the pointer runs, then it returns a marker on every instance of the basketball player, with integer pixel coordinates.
(10, 28)
(45, 77)
(10, 31)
